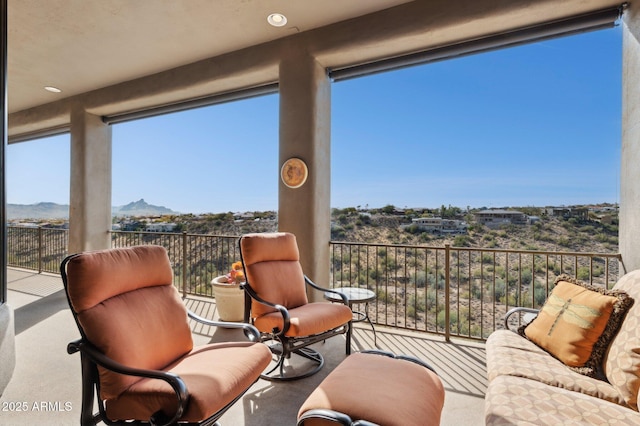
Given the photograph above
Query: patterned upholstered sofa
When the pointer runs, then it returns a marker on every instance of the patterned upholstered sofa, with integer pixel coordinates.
(528, 386)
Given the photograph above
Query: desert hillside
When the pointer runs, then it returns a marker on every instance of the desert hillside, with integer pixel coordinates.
(387, 227)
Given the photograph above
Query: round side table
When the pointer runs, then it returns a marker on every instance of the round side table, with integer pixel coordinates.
(355, 295)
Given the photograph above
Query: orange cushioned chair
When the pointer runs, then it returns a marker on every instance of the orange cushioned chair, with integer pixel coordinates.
(277, 304)
(136, 347)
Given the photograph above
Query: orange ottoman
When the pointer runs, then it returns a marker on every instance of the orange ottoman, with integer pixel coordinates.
(376, 387)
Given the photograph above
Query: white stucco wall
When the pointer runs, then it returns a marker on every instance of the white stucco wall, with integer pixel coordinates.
(630, 153)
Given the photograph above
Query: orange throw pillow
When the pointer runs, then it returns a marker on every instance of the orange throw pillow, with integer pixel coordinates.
(577, 323)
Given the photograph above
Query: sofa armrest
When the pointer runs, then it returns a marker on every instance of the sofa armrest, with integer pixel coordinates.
(525, 315)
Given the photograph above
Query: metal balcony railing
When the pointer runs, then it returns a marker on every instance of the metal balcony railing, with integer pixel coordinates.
(459, 291)
(453, 291)
(38, 248)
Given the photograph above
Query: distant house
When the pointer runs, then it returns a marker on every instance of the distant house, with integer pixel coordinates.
(131, 225)
(497, 218)
(603, 209)
(160, 227)
(607, 215)
(580, 213)
(439, 225)
(240, 217)
(430, 224)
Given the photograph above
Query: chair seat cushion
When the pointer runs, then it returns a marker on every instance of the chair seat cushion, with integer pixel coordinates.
(214, 375)
(380, 389)
(306, 320)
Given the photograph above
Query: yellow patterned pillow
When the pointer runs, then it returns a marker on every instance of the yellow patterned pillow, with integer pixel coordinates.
(577, 323)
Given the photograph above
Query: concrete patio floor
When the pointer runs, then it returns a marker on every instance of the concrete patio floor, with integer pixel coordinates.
(45, 387)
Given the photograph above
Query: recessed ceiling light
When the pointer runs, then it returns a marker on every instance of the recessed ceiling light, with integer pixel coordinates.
(52, 89)
(277, 19)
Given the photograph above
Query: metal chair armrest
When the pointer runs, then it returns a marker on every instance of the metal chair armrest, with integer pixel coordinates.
(250, 331)
(176, 383)
(517, 310)
(326, 415)
(283, 310)
(344, 297)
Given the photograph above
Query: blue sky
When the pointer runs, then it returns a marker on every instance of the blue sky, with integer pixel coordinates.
(533, 125)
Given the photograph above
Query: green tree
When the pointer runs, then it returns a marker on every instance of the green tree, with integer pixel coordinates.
(388, 209)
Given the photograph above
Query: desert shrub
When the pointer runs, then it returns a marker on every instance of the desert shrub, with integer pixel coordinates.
(476, 291)
(362, 278)
(364, 219)
(411, 312)
(425, 237)
(500, 271)
(459, 323)
(420, 279)
(461, 241)
(584, 273)
(385, 296)
(417, 304)
(539, 296)
(526, 276)
(374, 274)
(390, 263)
(487, 259)
(555, 268)
(432, 300)
(338, 232)
(500, 291)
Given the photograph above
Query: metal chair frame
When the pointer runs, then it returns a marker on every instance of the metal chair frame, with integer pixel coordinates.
(287, 345)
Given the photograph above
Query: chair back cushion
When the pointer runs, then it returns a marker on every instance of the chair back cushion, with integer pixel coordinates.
(272, 266)
(127, 307)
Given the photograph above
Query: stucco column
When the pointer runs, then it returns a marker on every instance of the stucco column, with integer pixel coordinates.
(630, 155)
(90, 203)
(305, 132)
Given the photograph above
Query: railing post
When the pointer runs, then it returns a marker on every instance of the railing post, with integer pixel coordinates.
(447, 288)
(184, 263)
(39, 249)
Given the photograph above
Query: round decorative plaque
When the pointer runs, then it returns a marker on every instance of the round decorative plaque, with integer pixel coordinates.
(294, 173)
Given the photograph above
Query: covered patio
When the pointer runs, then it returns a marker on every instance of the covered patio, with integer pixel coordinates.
(45, 388)
(113, 65)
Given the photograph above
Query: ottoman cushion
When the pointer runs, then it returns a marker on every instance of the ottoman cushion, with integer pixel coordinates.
(380, 389)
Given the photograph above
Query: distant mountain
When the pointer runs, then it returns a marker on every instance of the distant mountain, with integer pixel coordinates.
(140, 208)
(37, 211)
(61, 211)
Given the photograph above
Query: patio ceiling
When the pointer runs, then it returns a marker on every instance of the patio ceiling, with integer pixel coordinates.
(82, 45)
(117, 56)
